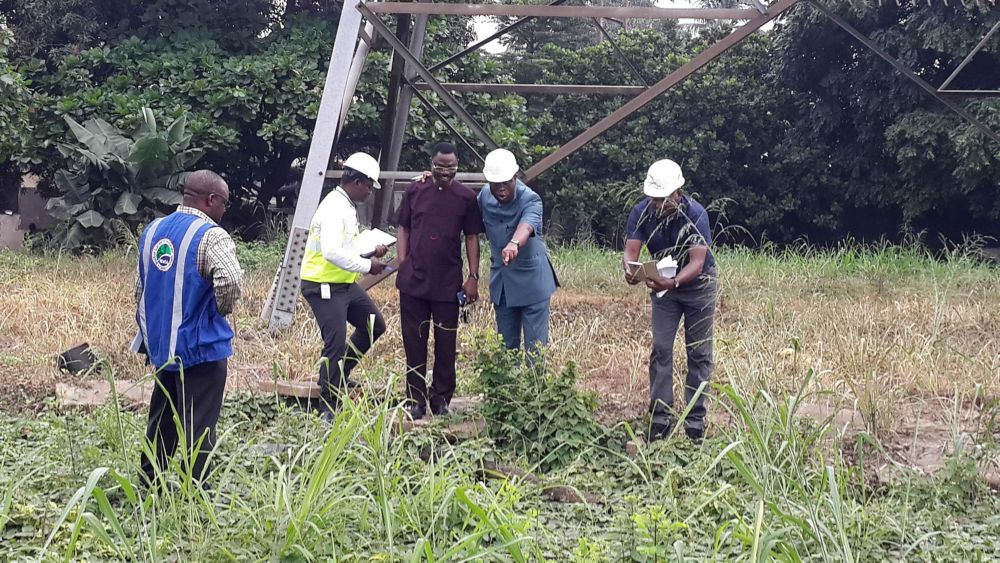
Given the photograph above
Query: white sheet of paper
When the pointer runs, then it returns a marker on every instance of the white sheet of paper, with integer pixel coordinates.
(367, 240)
(668, 269)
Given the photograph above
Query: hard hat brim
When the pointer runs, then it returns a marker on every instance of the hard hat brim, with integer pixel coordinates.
(498, 176)
(656, 191)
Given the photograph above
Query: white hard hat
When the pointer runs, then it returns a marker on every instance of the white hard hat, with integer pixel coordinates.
(366, 165)
(664, 178)
(500, 166)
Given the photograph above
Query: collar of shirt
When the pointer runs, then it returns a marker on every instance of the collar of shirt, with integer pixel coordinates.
(654, 215)
(341, 191)
(196, 212)
(431, 184)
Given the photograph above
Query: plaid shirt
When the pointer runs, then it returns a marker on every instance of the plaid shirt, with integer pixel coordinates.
(216, 262)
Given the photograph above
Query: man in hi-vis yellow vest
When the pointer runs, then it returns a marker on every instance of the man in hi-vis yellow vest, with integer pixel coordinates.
(331, 268)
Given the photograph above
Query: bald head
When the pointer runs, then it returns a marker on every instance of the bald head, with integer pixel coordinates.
(207, 192)
(204, 181)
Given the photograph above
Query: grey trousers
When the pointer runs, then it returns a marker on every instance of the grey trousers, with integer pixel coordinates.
(696, 305)
(532, 320)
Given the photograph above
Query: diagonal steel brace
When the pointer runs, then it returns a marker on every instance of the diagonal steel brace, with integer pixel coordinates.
(427, 77)
(651, 93)
(905, 71)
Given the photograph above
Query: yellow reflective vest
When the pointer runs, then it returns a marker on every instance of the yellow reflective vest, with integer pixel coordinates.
(335, 223)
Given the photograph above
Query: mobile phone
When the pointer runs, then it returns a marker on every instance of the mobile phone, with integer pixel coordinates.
(463, 300)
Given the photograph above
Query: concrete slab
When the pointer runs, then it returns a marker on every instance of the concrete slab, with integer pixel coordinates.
(11, 235)
(465, 404)
(454, 428)
(300, 389)
(93, 394)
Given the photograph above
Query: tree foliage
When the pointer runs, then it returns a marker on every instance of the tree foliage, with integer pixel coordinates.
(891, 155)
(15, 108)
(802, 130)
(115, 179)
(799, 130)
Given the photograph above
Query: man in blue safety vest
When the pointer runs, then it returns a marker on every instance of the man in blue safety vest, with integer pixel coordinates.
(188, 279)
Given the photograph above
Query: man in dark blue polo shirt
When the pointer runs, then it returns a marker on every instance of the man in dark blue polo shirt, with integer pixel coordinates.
(672, 224)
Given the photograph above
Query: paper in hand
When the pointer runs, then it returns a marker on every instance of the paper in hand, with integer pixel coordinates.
(367, 240)
(668, 269)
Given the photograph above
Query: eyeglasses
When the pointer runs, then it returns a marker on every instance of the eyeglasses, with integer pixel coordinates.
(226, 204)
(446, 170)
(225, 200)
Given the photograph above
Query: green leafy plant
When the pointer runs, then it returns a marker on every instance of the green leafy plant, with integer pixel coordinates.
(538, 414)
(115, 180)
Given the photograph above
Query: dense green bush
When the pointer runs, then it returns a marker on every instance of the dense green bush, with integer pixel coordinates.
(116, 180)
(536, 413)
(800, 128)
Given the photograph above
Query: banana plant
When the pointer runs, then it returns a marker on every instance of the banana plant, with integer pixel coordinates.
(114, 179)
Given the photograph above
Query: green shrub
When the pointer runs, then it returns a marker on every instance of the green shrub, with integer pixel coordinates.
(538, 414)
(114, 180)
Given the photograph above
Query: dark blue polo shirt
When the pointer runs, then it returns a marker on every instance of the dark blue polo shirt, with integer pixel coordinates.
(674, 235)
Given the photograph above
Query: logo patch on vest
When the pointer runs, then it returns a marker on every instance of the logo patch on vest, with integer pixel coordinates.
(163, 254)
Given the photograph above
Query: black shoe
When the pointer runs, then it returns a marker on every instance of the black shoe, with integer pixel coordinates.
(658, 431)
(417, 412)
(695, 434)
(440, 411)
(326, 411)
(352, 384)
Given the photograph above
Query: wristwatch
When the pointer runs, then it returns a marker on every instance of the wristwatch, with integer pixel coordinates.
(516, 242)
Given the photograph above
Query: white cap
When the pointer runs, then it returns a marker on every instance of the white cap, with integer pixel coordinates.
(664, 178)
(366, 165)
(500, 166)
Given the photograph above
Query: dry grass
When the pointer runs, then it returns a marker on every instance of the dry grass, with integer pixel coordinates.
(881, 330)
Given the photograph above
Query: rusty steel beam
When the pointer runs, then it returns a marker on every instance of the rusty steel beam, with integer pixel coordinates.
(404, 175)
(614, 45)
(968, 58)
(539, 11)
(543, 89)
(422, 71)
(498, 33)
(905, 71)
(366, 36)
(651, 93)
(972, 93)
(437, 113)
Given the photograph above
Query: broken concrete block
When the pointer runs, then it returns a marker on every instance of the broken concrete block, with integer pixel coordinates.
(92, 394)
(300, 389)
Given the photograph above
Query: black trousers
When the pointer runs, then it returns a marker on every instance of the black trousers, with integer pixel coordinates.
(416, 316)
(348, 303)
(196, 396)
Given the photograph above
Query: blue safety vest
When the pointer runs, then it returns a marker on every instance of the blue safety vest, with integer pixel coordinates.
(177, 314)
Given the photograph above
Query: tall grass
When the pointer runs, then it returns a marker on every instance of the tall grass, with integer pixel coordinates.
(880, 333)
(348, 487)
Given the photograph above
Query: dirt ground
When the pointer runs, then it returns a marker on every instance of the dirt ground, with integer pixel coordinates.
(911, 363)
